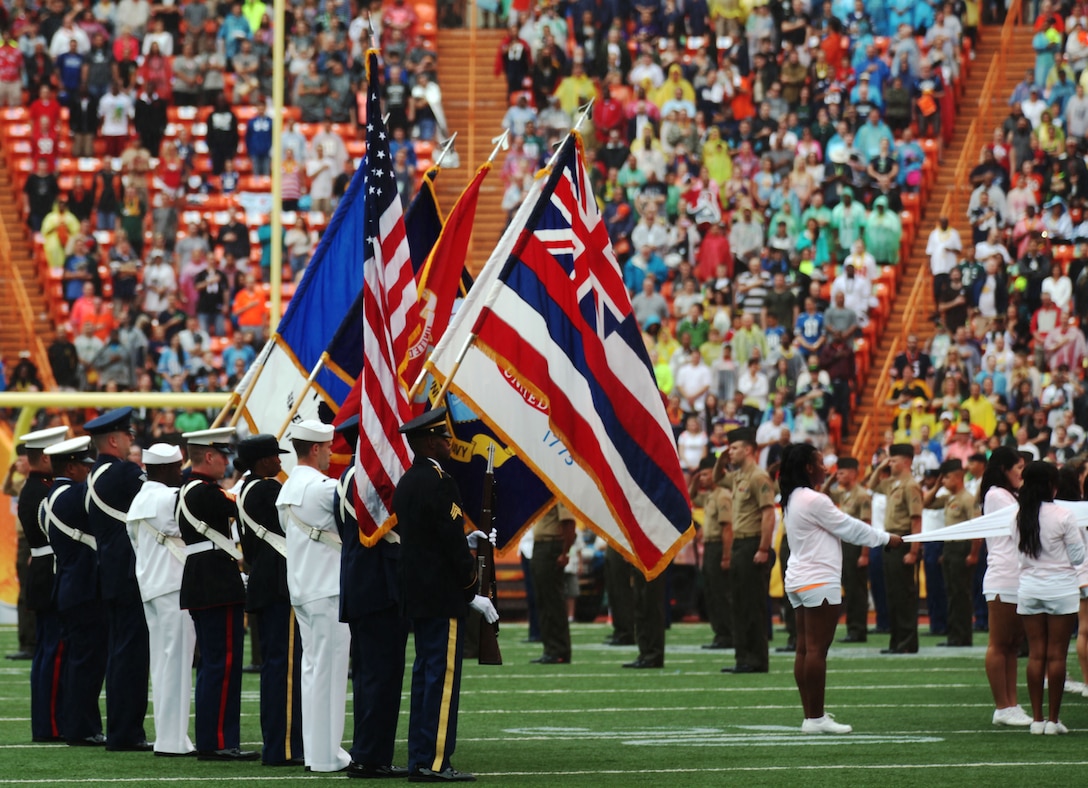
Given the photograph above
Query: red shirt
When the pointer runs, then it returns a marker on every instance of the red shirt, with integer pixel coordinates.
(11, 63)
(50, 108)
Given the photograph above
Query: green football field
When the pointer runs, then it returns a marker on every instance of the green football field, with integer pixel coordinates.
(921, 719)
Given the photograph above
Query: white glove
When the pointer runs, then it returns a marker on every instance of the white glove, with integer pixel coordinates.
(474, 539)
(483, 606)
(493, 537)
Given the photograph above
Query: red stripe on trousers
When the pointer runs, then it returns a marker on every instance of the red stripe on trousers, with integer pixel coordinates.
(54, 690)
(226, 682)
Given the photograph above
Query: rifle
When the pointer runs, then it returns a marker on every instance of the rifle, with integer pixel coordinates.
(489, 653)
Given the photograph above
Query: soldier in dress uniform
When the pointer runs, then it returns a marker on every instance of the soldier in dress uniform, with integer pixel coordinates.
(717, 503)
(269, 602)
(160, 564)
(305, 505)
(76, 593)
(438, 586)
(854, 500)
(45, 670)
(959, 557)
(113, 483)
(553, 536)
(621, 598)
(903, 516)
(213, 593)
(370, 606)
(751, 555)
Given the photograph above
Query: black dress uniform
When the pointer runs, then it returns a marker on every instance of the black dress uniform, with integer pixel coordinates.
(268, 600)
(112, 485)
(46, 668)
(213, 593)
(370, 606)
(438, 580)
(83, 620)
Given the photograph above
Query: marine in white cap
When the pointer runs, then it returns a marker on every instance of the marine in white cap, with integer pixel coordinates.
(160, 561)
(306, 505)
(213, 593)
(75, 591)
(35, 558)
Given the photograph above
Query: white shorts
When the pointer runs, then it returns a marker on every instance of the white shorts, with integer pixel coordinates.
(1063, 606)
(815, 596)
(1008, 597)
(1084, 592)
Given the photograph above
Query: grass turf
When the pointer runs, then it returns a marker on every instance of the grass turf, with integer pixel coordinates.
(920, 719)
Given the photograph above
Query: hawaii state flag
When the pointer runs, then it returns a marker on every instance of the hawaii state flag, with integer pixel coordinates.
(559, 371)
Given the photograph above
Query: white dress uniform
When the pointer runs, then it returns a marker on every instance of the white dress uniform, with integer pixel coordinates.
(305, 505)
(171, 634)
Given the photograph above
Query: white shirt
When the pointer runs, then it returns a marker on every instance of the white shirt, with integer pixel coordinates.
(942, 248)
(691, 378)
(313, 568)
(158, 572)
(816, 529)
(115, 111)
(1002, 567)
(1052, 574)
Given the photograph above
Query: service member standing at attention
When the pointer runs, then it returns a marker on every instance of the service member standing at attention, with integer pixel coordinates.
(438, 585)
(855, 501)
(959, 557)
(621, 599)
(113, 483)
(76, 593)
(370, 606)
(649, 596)
(751, 557)
(903, 516)
(717, 517)
(264, 545)
(305, 505)
(212, 592)
(160, 564)
(48, 657)
(553, 536)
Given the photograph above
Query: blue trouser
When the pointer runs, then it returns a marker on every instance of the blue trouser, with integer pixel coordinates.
(218, 693)
(45, 677)
(126, 670)
(436, 687)
(84, 670)
(378, 640)
(876, 588)
(281, 683)
(936, 596)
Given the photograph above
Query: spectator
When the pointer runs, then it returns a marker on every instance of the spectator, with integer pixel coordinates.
(222, 134)
(116, 110)
(63, 360)
(88, 346)
(39, 195)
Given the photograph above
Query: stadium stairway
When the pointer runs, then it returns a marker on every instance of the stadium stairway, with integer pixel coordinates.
(476, 122)
(1017, 57)
(13, 338)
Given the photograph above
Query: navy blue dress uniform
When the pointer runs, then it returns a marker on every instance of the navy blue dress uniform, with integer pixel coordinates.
(46, 667)
(113, 483)
(370, 606)
(213, 593)
(268, 599)
(438, 581)
(76, 594)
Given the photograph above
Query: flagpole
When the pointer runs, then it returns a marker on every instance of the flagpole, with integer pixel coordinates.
(275, 282)
(320, 365)
(241, 405)
(446, 148)
(502, 142)
(470, 340)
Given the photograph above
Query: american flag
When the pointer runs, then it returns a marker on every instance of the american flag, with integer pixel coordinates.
(390, 312)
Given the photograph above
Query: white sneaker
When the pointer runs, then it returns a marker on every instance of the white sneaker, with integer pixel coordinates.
(1013, 716)
(1084, 692)
(1038, 728)
(1076, 687)
(1055, 729)
(824, 724)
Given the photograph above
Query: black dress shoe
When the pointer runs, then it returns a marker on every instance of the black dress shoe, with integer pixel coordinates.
(190, 754)
(852, 639)
(22, 654)
(48, 739)
(743, 669)
(289, 762)
(947, 644)
(789, 648)
(140, 746)
(531, 640)
(645, 663)
(717, 646)
(233, 754)
(449, 775)
(251, 668)
(375, 772)
(620, 642)
(898, 651)
(98, 740)
(548, 659)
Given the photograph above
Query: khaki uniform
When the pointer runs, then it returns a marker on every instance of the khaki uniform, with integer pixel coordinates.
(717, 512)
(901, 579)
(752, 493)
(549, 582)
(958, 508)
(856, 502)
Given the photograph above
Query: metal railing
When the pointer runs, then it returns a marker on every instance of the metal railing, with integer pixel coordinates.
(24, 311)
